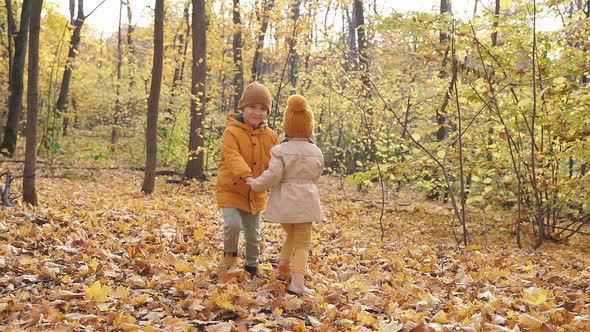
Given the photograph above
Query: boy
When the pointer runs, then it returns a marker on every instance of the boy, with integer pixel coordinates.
(245, 153)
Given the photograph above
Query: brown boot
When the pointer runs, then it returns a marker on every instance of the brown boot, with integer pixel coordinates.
(297, 285)
(283, 271)
(229, 259)
(228, 263)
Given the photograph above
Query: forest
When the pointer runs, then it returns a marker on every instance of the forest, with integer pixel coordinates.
(456, 178)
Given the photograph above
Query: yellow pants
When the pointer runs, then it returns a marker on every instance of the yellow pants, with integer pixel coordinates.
(296, 246)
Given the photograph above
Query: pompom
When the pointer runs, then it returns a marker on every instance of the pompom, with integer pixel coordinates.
(298, 121)
(297, 103)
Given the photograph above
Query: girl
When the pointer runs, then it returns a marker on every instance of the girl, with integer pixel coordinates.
(295, 168)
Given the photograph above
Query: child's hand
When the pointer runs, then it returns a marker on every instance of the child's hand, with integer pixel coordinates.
(249, 180)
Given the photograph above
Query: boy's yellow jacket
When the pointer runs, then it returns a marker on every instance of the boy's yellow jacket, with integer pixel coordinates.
(244, 152)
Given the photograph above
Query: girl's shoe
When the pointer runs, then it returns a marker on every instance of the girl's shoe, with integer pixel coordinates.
(297, 286)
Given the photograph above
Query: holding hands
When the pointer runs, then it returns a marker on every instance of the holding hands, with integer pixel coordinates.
(249, 180)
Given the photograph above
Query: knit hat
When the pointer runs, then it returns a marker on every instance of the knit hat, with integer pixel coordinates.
(255, 93)
(298, 117)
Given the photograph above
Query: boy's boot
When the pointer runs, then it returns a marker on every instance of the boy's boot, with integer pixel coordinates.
(283, 271)
(228, 262)
(253, 270)
(297, 285)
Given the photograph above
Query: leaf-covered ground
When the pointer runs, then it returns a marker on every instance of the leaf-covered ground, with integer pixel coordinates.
(99, 255)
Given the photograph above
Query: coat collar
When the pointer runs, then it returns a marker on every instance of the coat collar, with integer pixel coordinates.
(305, 139)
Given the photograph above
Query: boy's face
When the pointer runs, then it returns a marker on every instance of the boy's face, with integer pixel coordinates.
(254, 114)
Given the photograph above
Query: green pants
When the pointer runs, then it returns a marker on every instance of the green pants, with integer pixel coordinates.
(234, 220)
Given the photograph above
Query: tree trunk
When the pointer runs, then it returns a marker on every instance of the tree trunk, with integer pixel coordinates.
(151, 133)
(495, 24)
(11, 33)
(260, 35)
(292, 42)
(441, 114)
(118, 102)
(194, 167)
(351, 40)
(60, 105)
(445, 8)
(29, 190)
(363, 59)
(238, 82)
(15, 100)
(180, 59)
(494, 38)
(130, 53)
(587, 12)
(187, 35)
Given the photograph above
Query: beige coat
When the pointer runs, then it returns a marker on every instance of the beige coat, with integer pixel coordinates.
(294, 170)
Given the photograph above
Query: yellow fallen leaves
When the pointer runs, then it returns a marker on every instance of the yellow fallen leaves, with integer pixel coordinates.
(536, 296)
(182, 267)
(367, 319)
(222, 299)
(120, 292)
(291, 303)
(104, 293)
(49, 272)
(533, 323)
(130, 262)
(441, 317)
(198, 234)
(143, 298)
(124, 322)
(66, 279)
(97, 292)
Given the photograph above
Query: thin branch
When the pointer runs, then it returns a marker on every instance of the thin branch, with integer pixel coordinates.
(95, 8)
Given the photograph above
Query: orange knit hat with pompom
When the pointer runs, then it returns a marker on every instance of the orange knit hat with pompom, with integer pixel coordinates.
(298, 118)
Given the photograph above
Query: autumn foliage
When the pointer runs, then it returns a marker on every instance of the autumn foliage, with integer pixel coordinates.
(98, 255)
(455, 189)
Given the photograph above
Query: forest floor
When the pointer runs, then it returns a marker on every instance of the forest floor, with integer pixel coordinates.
(96, 254)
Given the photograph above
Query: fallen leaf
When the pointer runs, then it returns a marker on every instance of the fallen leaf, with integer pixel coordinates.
(97, 292)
